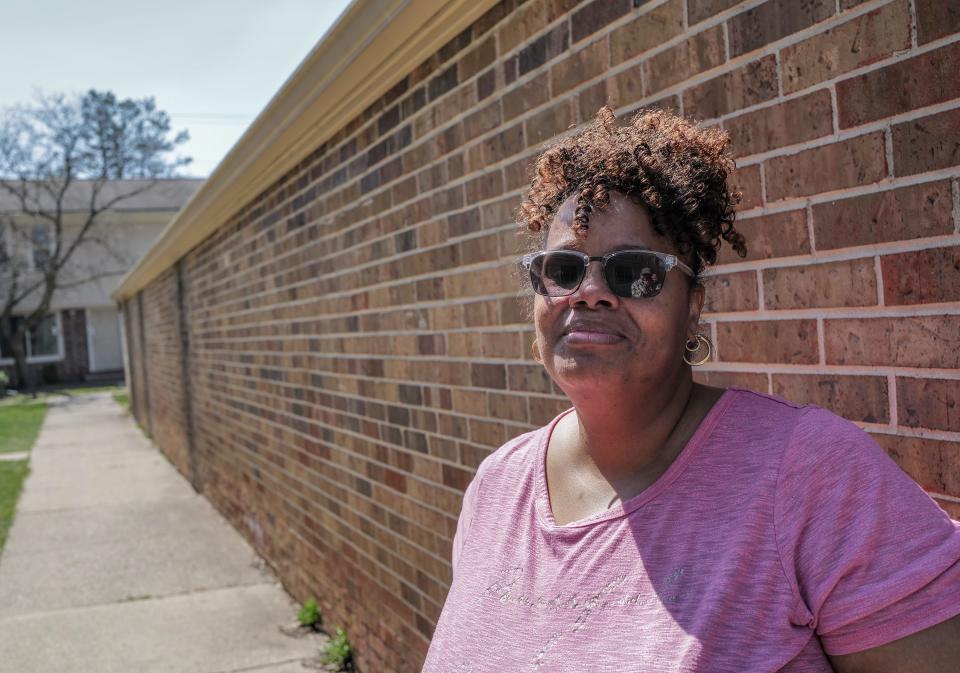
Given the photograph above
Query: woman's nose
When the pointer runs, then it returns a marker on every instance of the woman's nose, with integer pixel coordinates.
(593, 289)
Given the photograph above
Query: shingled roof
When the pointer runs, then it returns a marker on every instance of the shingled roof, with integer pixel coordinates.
(164, 195)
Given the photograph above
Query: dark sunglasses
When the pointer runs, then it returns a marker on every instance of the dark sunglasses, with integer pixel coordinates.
(633, 274)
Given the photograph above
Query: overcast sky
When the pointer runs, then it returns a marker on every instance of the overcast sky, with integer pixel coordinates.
(212, 64)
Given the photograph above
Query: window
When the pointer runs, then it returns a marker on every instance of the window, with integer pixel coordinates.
(44, 338)
(43, 343)
(6, 352)
(4, 249)
(40, 238)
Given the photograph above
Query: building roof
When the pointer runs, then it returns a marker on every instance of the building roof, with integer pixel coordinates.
(371, 47)
(164, 195)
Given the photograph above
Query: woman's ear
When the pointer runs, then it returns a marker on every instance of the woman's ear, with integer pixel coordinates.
(697, 296)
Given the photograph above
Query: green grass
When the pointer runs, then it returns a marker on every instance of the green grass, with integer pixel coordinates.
(19, 425)
(12, 474)
(122, 398)
(61, 392)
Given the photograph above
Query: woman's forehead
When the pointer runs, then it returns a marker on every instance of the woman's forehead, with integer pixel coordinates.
(621, 222)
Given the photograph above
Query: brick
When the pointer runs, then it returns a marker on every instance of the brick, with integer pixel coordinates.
(731, 292)
(518, 173)
(457, 478)
(507, 407)
(774, 20)
(927, 144)
(510, 70)
(893, 215)
(951, 508)
(698, 10)
(549, 123)
(579, 67)
(459, 224)
(557, 8)
(854, 162)
(746, 180)
(924, 80)
(856, 43)
(591, 99)
(456, 44)
(936, 19)
(486, 83)
(913, 341)
(505, 144)
(529, 95)
(921, 459)
(442, 83)
(623, 88)
(481, 121)
(492, 17)
(545, 409)
(858, 398)
(769, 236)
(477, 59)
(921, 277)
(847, 283)
(670, 103)
(481, 249)
(544, 48)
(789, 123)
(748, 380)
(522, 24)
(488, 376)
(529, 378)
(929, 403)
(699, 53)
(485, 186)
(752, 84)
(646, 32)
(488, 433)
(500, 213)
(782, 341)
(595, 15)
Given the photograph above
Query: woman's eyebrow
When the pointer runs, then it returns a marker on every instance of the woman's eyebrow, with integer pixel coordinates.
(631, 246)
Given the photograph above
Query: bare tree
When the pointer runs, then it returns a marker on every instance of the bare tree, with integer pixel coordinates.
(66, 162)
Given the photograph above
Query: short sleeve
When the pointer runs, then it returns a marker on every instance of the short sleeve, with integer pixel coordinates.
(871, 557)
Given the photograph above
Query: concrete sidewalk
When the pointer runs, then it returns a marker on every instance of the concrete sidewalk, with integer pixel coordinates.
(114, 563)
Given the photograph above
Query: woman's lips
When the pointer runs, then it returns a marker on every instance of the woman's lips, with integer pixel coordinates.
(580, 336)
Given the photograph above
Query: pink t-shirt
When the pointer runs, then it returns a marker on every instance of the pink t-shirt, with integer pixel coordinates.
(778, 533)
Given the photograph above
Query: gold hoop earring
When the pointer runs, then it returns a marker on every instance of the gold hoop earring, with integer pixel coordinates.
(694, 347)
(535, 348)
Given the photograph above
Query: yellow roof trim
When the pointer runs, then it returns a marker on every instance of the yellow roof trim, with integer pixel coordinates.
(372, 46)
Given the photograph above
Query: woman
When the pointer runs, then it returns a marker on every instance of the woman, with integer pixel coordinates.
(662, 525)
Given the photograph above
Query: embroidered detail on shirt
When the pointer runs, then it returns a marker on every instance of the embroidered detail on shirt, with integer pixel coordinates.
(503, 589)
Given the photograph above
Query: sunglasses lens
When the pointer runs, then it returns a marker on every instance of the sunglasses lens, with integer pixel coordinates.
(635, 274)
(556, 274)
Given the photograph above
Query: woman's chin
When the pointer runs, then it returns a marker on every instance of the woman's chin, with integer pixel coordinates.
(587, 368)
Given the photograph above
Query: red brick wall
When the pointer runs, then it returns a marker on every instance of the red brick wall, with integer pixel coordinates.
(163, 354)
(355, 342)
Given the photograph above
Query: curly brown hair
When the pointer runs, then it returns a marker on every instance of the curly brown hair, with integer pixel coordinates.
(673, 167)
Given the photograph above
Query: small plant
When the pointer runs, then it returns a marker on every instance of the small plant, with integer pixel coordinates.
(309, 614)
(338, 651)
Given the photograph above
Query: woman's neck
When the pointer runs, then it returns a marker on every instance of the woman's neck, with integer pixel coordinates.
(628, 433)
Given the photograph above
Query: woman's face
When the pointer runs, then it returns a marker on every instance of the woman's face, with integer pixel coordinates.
(593, 338)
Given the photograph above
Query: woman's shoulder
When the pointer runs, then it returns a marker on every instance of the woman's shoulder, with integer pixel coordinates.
(754, 412)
